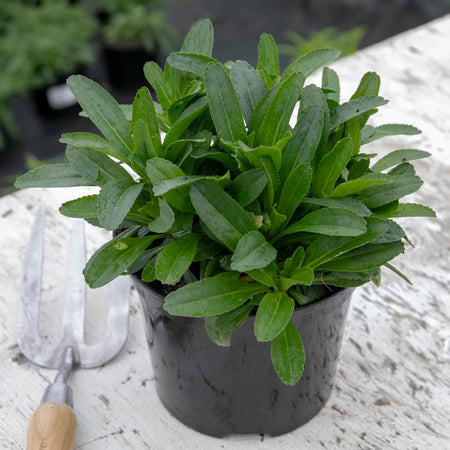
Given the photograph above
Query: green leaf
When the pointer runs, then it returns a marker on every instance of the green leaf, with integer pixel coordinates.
(330, 168)
(200, 38)
(354, 108)
(368, 86)
(221, 213)
(165, 220)
(114, 258)
(357, 186)
(294, 262)
(186, 118)
(155, 77)
(262, 106)
(92, 141)
(325, 248)
(104, 112)
(308, 63)
(249, 88)
(369, 256)
(398, 157)
(115, 201)
(411, 210)
(247, 186)
(392, 234)
(231, 320)
(144, 109)
(294, 189)
(224, 105)
(266, 276)
(165, 186)
(288, 355)
(397, 272)
(142, 142)
(301, 276)
(51, 175)
(276, 120)
(272, 316)
(221, 338)
(381, 195)
(211, 296)
(149, 274)
(304, 141)
(190, 62)
(95, 166)
(391, 130)
(175, 259)
(351, 204)
(252, 252)
(329, 221)
(268, 61)
(83, 207)
(346, 279)
(330, 80)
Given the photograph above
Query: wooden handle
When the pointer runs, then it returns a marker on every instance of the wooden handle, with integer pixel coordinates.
(53, 426)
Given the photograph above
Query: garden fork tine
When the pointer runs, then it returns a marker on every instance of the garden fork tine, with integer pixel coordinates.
(53, 425)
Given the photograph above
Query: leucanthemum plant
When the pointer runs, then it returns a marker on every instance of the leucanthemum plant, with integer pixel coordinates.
(218, 201)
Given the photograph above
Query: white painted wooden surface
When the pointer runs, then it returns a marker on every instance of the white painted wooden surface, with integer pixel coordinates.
(393, 383)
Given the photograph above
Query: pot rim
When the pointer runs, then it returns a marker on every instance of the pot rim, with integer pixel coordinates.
(298, 309)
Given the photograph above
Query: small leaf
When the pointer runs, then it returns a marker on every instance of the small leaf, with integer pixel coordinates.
(346, 279)
(175, 259)
(294, 262)
(369, 256)
(308, 63)
(411, 210)
(268, 61)
(262, 106)
(223, 104)
(329, 221)
(221, 338)
(83, 207)
(249, 88)
(330, 80)
(397, 157)
(148, 274)
(200, 38)
(252, 252)
(51, 175)
(272, 316)
(165, 186)
(165, 220)
(288, 355)
(247, 186)
(92, 141)
(211, 296)
(352, 204)
(300, 276)
(232, 320)
(368, 86)
(397, 272)
(190, 62)
(155, 77)
(354, 108)
(391, 130)
(221, 213)
(357, 186)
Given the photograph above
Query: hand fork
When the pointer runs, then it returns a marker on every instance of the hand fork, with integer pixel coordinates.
(53, 424)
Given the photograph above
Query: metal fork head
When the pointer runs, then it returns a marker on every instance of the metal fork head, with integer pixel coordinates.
(30, 342)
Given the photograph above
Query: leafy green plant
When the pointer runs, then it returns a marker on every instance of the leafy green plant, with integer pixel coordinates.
(40, 42)
(236, 208)
(137, 23)
(347, 42)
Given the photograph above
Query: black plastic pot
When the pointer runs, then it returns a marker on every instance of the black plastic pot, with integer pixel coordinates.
(235, 390)
(126, 66)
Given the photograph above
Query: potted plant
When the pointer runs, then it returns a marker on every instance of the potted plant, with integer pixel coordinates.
(133, 33)
(238, 226)
(37, 62)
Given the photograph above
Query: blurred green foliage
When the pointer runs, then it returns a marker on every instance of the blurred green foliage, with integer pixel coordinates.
(345, 41)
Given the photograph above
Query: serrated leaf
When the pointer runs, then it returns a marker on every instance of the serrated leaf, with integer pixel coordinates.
(368, 86)
(104, 112)
(224, 217)
(223, 104)
(329, 221)
(165, 220)
(311, 61)
(272, 316)
(276, 120)
(249, 88)
(175, 259)
(51, 175)
(199, 39)
(190, 62)
(330, 168)
(369, 256)
(268, 61)
(252, 252)
(391, 130)
(211, 296)
(397, 157)
(411, 210)
(288, 355)
(247, 186)
(354, 108)
(83, 207)
(114, 258)
(352, 204)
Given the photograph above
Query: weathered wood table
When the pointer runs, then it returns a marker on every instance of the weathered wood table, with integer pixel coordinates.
(393, 382)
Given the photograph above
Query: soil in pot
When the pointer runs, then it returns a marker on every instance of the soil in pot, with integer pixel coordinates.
(235, 390)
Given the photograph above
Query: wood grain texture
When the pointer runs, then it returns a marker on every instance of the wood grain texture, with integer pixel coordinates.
(53, 426)
(393, 382)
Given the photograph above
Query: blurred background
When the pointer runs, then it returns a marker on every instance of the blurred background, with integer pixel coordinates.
(42, 42)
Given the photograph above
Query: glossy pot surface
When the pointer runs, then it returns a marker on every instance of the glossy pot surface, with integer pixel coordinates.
(235, 390)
